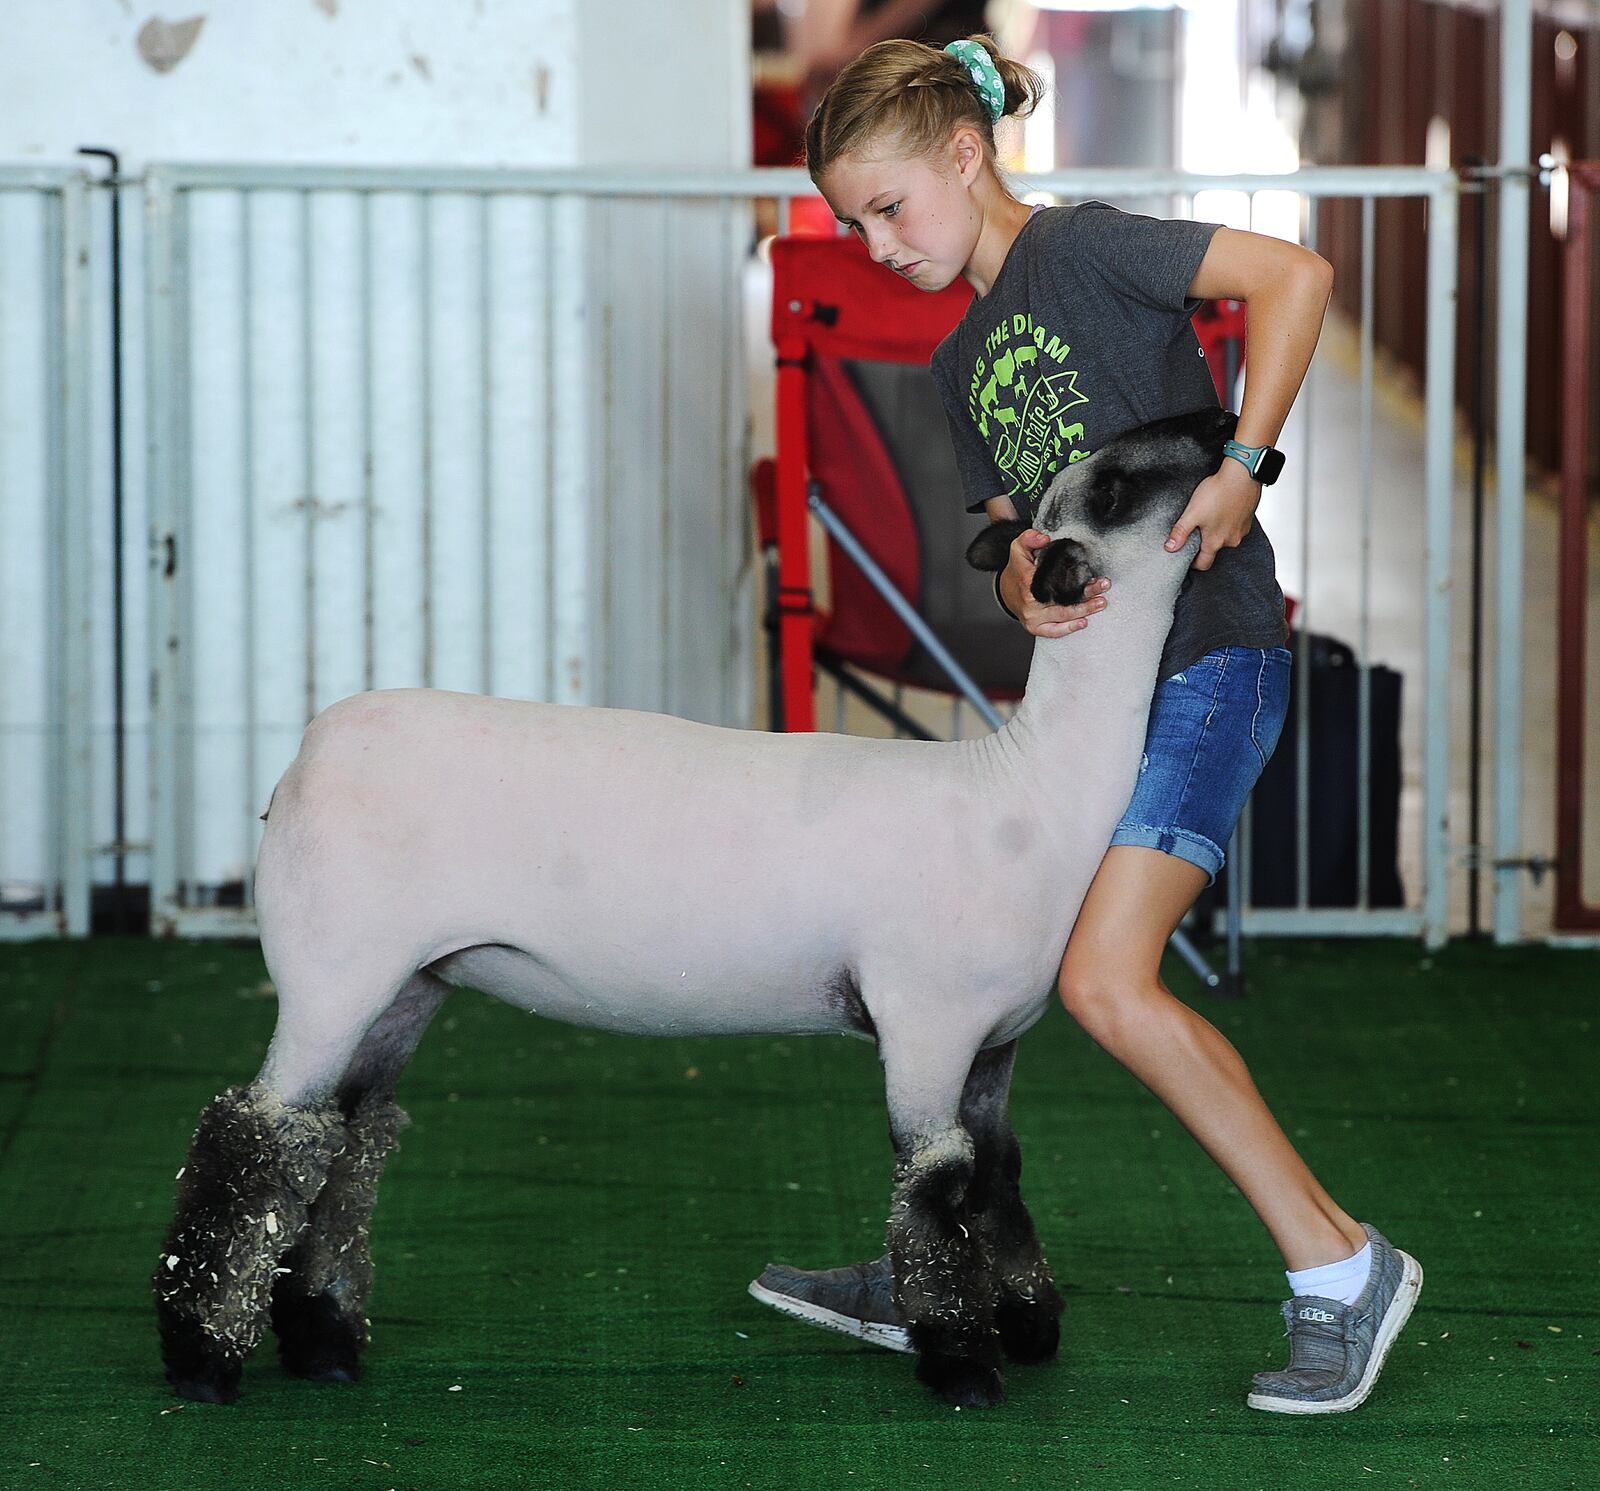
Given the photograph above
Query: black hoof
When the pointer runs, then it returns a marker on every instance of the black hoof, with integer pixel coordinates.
(219, 1387)
(962, 1380)
(315, 1341)
(195, 1368)
(1028, 1334)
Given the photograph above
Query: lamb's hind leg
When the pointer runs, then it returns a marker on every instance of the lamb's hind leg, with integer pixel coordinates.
(319, 1301)
(259, 1159)
(253, 1169)
(944, 1279)
(1027, 1304)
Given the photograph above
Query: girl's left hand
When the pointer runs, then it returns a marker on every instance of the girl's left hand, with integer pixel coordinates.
(1223, 507)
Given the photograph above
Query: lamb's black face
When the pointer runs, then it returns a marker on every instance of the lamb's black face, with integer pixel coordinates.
(1116, 507)
(1139, 476)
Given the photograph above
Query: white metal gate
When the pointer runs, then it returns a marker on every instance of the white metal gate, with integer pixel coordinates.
(390, 444)
(44, 538)
(478, 430)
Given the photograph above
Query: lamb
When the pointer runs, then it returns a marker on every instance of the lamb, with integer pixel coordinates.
(622, 871)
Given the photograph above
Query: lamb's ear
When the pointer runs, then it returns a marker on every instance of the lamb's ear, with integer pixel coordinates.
(991, 549)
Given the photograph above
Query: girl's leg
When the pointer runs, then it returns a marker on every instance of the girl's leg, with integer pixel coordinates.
(1111, 985)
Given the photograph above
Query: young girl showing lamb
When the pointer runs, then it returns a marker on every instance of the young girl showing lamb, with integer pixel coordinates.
(1079, 330)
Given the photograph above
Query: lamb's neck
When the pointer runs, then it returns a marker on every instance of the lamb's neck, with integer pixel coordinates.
(1080, 729)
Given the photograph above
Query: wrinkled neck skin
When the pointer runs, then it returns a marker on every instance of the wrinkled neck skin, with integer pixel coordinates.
(1079, 733)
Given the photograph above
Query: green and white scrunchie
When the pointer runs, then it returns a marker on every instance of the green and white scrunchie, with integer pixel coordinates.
(984, 74)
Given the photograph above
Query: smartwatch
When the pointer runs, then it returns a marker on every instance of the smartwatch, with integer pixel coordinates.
(1261, 461)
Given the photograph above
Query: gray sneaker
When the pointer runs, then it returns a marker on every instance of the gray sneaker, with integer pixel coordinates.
(857, 1300)
(1336, 1351)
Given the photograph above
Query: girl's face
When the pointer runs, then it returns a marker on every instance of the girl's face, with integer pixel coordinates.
(915, 216)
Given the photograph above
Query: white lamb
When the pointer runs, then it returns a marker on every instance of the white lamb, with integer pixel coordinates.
(640, 873)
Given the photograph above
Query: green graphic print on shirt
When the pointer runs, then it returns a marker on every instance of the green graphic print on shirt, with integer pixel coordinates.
(1020, 396)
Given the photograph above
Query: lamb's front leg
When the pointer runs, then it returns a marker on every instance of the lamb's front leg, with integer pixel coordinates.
(1027, 1304)
(944, 1277)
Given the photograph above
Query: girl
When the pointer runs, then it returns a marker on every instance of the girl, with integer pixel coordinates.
(1079, 330)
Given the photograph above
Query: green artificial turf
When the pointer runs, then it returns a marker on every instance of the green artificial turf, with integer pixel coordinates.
(563, 1242)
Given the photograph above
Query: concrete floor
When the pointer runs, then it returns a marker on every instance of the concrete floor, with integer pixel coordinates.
(1313, 518)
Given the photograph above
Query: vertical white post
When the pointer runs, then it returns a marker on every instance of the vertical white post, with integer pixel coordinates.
(161, 354)
(1439, 428)
(1511, 298)
(76, 556)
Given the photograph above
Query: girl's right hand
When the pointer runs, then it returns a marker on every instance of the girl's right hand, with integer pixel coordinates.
(1016, 587)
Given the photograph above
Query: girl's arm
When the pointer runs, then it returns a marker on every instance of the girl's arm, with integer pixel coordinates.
(1286, 288)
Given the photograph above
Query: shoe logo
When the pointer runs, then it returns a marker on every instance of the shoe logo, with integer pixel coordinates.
(1310, 1312)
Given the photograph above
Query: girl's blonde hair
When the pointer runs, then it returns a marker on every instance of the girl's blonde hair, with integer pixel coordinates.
(915, 94)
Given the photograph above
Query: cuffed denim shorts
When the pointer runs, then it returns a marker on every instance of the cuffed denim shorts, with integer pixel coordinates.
(1212, 729)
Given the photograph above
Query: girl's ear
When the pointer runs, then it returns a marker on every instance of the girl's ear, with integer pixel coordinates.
(968, 151)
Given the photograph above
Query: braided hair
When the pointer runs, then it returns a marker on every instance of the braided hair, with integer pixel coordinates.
(914, 96)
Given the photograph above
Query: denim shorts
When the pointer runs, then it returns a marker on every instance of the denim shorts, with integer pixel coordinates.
(1212, 729)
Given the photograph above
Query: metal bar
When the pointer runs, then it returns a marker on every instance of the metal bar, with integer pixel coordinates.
(1235, 905)
(1439, 431)
(308, 469)
(1511, 343)
(1364, 645)
(247, 479)
(1572, 912)
(904, 610)
(119, 610)
(37, 178)
(1480, 439)
(10, 921)
(1332, 921)
(52, 290)
(845, 682)
(664, 549)
(546, 383)
(486, 447)
(1179, 942)
(369, 588)
(161, 358)
(425, 339)
(1302, 743)
(736, 534)
(787, 182)
(183, 580)
(575, 540)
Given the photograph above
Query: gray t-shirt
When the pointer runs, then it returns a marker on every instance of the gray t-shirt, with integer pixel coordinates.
(1085, 334)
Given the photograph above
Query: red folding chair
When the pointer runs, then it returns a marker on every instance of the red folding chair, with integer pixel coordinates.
(861, 443)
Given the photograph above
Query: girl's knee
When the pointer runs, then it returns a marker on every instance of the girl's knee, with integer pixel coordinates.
(1108, 1003)
(1090, 996)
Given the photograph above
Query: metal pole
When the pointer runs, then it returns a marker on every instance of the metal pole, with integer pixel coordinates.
(162, 350)
(1511, 342)
(119, 712)
(1480, 346)
(903, 609)
(1439, 427)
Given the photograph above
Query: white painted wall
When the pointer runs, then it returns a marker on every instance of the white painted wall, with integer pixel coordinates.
(398, 82)
(410, 83)
(374, 81)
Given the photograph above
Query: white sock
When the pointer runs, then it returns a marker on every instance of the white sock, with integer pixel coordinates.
(1342, 1281)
